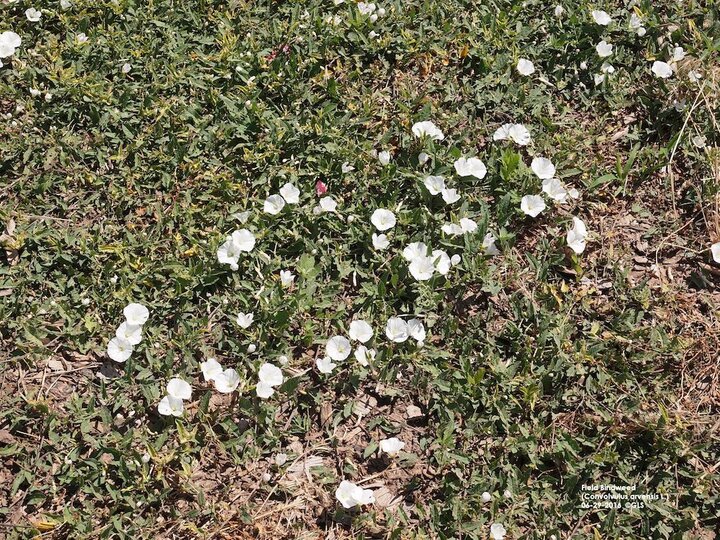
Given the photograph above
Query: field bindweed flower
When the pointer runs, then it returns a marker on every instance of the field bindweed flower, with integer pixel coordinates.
(81, 38)
(136, 314)
(452, 229)
(532, 205)
(290, 193)
(414, 251)
(678, 54)
(441, 261)
(554, 189)
(350, 495)
(662, 70)
(273, 205)
(455, 259)
(427, 129)
(132, 333)
(543, 168)
(601, 17)
(178, 388)
(269, 376)
(715, 250)
(525, 67)
(211, 368)
(423, 158)
(384, 158)
(489, 244)
(604, 49)
(338, 348)
(391, 446)
(383, 219)
(227, 381)
(245, 319)
(397, 330)
(366, 8)
(33, 15)
(517, 133)
(450, 196)
(636, 24)
(380, 241)
(486, 497)
(468, 225)
(287, 278)
(346, 168)
(577, 236)
(325, 365)
(435, 184)
(119, 349)
(238, 242)
(328, 204)
(470, 167)
(320, 188)
(126, 67)
(171, 406)
(422, 268)
(416, 329)
(9, 41)
(360, 331)
(364, 355)
(497, 531)
(559, 10)
(65, 4)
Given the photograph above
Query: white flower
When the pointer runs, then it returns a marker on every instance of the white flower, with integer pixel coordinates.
(211, 368)
(489, 244)
(132, 333)
(543, 168)
(525, 67)
(346, 168)
(33, 15)
(559, 10)
(270, 374)
(470, 167)
(384, 157)
(416, 329)
(678, 54)
(641, 31)
(178, 388)
(290, 193)
(422, 268)
(383, 219)
(364, 355)
(244, 240)
(532, 205)
(397, 330)
(360, 331)
(662, 70)
(455, 259)
(414, 251)
(273, 205)
(486, 497)
(380, 241)
(453, 229)
(286, 278)
(65, 4)
(391, 446)
(450, 196)
(554, 189)
(171, 406)
(577, 236)
(715, 250)
(517, 133)
(242, 217)
(422, 158)
(601, 17)
(239, 241)
(119, 349)
(574, 193)
(81, 38)
(136, 314)
(227, 381)
(604, 49)
(9, 41)
(350, 495)
(338, 348)
(264, 390)
(280, 459)
(442, 261)
(126, 67)
(245, 319)
(427, 128)
(435, 184)
(497, 531)
(607, 68)
(635, 22)
(328, 204)
(366, 8)
(325, 365)
(468, 225)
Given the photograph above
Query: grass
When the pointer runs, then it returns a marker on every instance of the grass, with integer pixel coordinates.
(543, 370)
